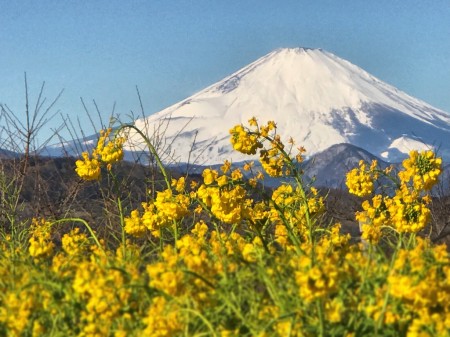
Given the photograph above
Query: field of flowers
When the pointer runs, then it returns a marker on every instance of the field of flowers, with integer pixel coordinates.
(223, 257)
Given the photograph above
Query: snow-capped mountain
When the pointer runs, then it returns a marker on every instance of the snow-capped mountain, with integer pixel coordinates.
(314, 96)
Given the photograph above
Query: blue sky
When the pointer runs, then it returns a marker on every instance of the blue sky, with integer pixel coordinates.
(171, 49)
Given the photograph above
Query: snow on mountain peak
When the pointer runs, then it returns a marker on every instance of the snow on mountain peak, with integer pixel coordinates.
(314, 96)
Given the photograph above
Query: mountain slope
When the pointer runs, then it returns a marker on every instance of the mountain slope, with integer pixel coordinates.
(314, 96)
(330, 167)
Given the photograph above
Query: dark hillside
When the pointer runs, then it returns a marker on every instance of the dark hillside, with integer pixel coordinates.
(51, 189)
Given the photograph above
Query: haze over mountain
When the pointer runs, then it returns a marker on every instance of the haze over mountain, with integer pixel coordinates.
(314, 96)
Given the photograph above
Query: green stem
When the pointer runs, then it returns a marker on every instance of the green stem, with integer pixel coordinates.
(175, 235)
(121, 214)
(97, 242)
(411, 240)
(259, 234)
(152, 150)
(297, 176)
(122, 226)
(319, 304)
(386, 296)
(161, 240)
(203, 318)
(291, 234)
(366, 268)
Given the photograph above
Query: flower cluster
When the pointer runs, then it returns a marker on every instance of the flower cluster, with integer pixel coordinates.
(103, 292)
(163, 212)
(107, 152)
(372, 218)
(163, 319)
(40, 241)
(224, 195)
(244, 141)
(408, 211)
(295, 210)
(405, 212)
(422, 168)
(360, 180)
(226, 204)
(275, 160)
(88, 168)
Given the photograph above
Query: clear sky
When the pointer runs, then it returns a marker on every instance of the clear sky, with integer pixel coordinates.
(102, 50)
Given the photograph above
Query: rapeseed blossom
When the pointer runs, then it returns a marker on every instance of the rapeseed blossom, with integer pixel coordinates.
(163, 212)
(163, 319)
(408, 212)
(405, 212)
(209, 176)
(423, 168)
(40, 241)
(109, 151)
(360, 180)
(88, 168)
(106, 152)
(134, 225)
(243, 141)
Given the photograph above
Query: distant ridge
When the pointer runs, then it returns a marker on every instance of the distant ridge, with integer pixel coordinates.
(329, 167)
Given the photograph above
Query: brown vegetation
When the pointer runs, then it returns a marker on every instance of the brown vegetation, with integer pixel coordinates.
(51, 189)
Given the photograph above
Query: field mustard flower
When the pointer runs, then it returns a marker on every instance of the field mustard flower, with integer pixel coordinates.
(360, 180)
(106, 152)
(209, 176)
(423, 168)
(244, 141)
(87, 168)
(41, 244)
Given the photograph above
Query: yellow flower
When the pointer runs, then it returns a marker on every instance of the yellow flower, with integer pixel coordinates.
(163, 319)
(88, 169)
(253, 182)
(236, 174)
(110, 151)
(271, 125)
(259, 175)
(225, 167)
(423, 168)
(360, 181)
(283, 195)
(222, 180)
(244, 141)
(333, 310)
(15, 311)
(281, 235)
(272, 162)
(179, 184)
(134, 224)
(38, 329)
(252, 121)
(408, 214)
(228, 204)
(74, 243)
(107, 152)
(249, 253)
(40, 241)
(209, 176)
(248, 166)
(171, 207)
(371, 233)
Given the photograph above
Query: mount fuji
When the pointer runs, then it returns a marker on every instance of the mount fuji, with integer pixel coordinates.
(315, 97)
